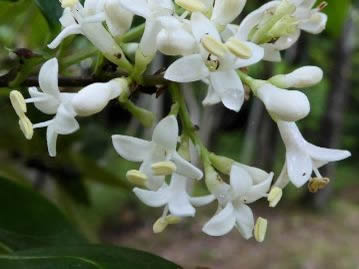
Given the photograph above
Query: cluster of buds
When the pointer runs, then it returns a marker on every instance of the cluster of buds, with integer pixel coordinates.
(210, 49)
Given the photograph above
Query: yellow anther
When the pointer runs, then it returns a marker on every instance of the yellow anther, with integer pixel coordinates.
(192, 5)
(213, 46)
(260, 229)
(18, 103)
(26, 127)
(68, 3)
(274, 196)
(160, 225)
(316, 184)
(239, 48)
(163, 168)
(173, 219)
(137, 178)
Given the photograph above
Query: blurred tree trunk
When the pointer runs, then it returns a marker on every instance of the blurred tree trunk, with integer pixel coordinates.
(331, 126)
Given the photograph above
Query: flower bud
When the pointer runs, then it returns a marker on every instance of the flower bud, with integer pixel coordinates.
(283, 104)
(221, 163)
(175, 42)
(303, 77)
(260, 229)
(118, 19)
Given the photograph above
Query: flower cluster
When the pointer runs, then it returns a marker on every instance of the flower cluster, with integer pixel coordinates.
(208, 48)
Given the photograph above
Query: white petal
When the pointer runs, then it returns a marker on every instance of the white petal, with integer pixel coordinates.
(257, 175)
(73, 29)
(202, 200)
(271, 54)
(212, 97)
(48, 103)
(166, 133)
(316, 24)
(283, 178)
(229, 87)
(131, 148)
(244, 220)
(286, 42)
(154, 182)
(154, 198)
(67, 18)
(202, 26)
(138, 7)
(257, 55)
(222, 223)
(187, 69)
(225, 11)
(48, 78)
(185, 168)
(179, 204)
(65, 122)
(118, 19)
(325, 154)
(259, 190)
(149, 38)
(240, 180)
(51, 138)
(299, 166)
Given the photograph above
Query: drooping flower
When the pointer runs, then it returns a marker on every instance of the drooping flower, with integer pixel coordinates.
(87, 20)
(247, 185)
(151, 10)
(161, 148)
(303, 158)
(175, 196)
(216, 64)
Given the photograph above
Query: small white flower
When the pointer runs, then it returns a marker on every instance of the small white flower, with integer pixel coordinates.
(161, 148)
(286, 105)
(247, 185)
(174, 196)
(216, 64)
(151, 10)
(302, 158)
(87, 20)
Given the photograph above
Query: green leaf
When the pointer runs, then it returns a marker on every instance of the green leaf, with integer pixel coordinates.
(9, 0)
(337, 12)
(28, 220)
(85, 257)
(52, 11)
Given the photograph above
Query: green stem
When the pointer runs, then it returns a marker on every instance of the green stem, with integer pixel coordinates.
(77, 57)
(133, 35)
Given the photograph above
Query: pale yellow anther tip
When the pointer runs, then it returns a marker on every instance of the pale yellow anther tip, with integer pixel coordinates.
(239, 48)
(137, 178)
(192, 5)
(68, 3)
(260, 229)
(26, 127)
(18, 103)
(173, 219)
(160, 225)
(213, 46)
(163, 168)
(274, 196)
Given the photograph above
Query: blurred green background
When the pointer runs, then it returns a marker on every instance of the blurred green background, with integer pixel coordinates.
(87, 179)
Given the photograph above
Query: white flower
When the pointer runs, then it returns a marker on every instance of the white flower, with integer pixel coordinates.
(87, 20)
(299, 17)
(286, 105)
(302, 158)
(247, 185)
(303, 77)
(161, 148)
(216, 64)
(174, 196)
(151, 10)
(118, 19)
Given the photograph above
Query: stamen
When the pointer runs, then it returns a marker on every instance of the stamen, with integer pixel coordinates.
(173, 219)
(213, 46)
(26, 127)
(260, 229)
(192, 5)
(238, 48)
(163, 168)
(316, 172)
(316, 184)
(160, 225)
(137, 178)
(322, 5)
(42, 124)
(18, 103)
(68, 3)
(274, 196)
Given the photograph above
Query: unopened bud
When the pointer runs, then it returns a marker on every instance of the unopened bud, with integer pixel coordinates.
(238, 48)
(137, 178)
(26, 127)
(160, 225)
(192, 5)
(260, 229)
(221, 163)
(18, 103)
(274, 196)
(163, 168)
(213, 46)
(316, 184)
(284, 27)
